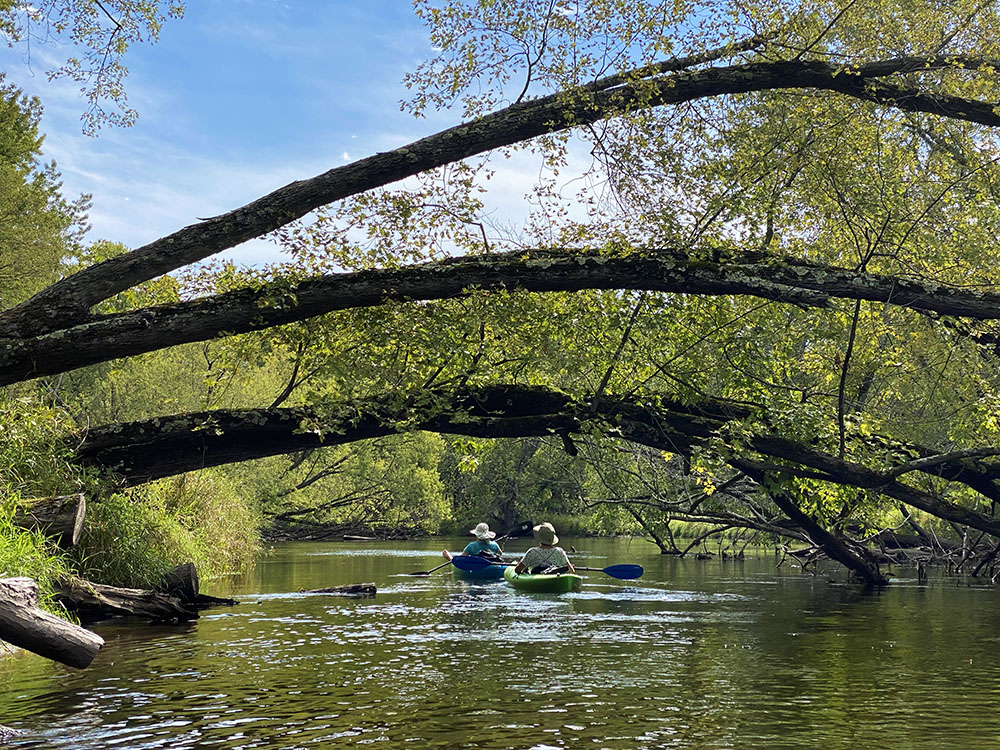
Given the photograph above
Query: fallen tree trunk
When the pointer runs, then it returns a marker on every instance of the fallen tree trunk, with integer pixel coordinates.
(353, 589)
(59, 517)
(854, 557)
(97, 601)
(24, 624)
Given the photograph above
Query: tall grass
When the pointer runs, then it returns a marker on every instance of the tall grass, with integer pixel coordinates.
(30, 554)
(133, 538)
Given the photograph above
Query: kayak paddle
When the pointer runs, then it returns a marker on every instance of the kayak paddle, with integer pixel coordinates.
(624, 572)
(521, 528)
(428, 572)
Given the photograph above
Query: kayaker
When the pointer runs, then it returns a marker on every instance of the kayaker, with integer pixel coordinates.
(546, 557)
(482, 546)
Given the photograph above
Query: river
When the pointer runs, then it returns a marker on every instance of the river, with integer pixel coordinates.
(696, 654)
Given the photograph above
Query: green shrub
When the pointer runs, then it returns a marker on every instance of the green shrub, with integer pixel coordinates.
(35, 453)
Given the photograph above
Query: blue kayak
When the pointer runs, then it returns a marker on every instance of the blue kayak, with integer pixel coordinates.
(479, 573)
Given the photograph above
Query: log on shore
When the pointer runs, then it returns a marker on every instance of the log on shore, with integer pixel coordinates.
(353, 589)
(59, 517)
(98, 601)
(24, 624)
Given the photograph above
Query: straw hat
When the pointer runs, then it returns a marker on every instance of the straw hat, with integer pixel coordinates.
(545, 534)
(482, 531)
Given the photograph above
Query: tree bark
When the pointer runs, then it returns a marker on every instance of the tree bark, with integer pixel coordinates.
(854, 557)
(182, 582)
(852, 474)
(156, 448)
(59, 517)
(24, 624)
(164, 446)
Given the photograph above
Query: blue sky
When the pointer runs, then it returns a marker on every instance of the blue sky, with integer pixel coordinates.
(236, 99)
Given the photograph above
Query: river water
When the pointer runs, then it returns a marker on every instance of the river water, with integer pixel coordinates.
(695, 654)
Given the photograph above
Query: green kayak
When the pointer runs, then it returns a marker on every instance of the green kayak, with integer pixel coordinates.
(549, 584)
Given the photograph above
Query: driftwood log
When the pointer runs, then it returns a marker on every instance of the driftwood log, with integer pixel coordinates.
(24, 624)
(177, 600)
(353, 589)
(59, 517)
(97, 601)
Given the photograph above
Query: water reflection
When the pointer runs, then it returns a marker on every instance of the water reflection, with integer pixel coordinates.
(693, 655)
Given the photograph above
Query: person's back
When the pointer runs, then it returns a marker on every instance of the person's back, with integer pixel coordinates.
(482, 547)
(546, 557)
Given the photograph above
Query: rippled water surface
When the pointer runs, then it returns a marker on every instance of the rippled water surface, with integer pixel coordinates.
(696, 654)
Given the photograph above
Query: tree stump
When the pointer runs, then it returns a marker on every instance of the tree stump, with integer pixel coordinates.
(24, 624)
(182, 582)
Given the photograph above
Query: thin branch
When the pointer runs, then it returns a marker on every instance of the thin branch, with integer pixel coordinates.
(922, 464)
(841, 424)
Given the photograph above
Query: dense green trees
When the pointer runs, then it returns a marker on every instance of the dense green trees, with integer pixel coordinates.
(777, 275)
(38, 227)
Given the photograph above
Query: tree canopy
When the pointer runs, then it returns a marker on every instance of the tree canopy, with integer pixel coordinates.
(99, 33)
(779, 263)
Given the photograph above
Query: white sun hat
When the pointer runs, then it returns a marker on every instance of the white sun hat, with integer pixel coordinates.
(482, 531)
(545, 533)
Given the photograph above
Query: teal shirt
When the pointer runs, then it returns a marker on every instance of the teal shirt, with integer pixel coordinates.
(474, 548)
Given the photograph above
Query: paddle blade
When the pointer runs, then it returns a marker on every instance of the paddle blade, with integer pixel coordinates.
(470, 562)
(521, 529)
(624, 572)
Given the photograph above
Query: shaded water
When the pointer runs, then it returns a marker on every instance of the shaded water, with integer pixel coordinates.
(696, 654)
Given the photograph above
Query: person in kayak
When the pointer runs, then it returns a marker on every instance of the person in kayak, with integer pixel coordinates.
(482, 546)
(546, 557)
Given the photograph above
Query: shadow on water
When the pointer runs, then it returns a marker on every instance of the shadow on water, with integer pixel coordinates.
(696, 654)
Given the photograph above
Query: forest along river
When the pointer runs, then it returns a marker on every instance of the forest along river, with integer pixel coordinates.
(696, 654)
